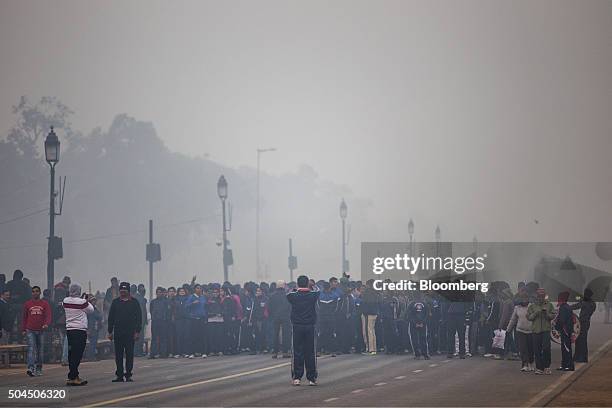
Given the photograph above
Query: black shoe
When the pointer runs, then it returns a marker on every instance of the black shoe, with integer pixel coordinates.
(30, 373)
(462, 356)
(450, 356)
(118, 379)
(427, 357)
(128, 379)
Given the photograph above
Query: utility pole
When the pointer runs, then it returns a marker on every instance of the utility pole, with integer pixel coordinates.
(153, 254)
(150, 261)
(257, 256)
(292, 261)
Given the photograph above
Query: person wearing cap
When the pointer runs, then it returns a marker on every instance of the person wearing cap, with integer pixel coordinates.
(124, 324)
(541, 313)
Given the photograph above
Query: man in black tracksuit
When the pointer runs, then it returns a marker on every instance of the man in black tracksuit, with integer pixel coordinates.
(124, 323)
(417, 315)
(303, 302)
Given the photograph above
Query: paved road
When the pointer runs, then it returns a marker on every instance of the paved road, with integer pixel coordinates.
(349, 380)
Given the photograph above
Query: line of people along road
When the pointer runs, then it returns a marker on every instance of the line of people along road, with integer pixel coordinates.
(205, 320)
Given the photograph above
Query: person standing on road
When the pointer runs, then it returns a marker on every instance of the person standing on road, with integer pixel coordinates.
(565, 326)
(522, 327)
(124, 324)
(587, 308)
(279, 318)
(303, 301)
(77, 308)
(370, 307)
(540, 313)
(36, 319)
(160, 317)
(417, 314)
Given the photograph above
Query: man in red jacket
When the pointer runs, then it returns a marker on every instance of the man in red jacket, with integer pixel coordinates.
(36, 319)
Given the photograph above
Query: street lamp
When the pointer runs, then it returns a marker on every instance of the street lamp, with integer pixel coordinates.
(222, 193)
(257, 260)
(52, 155)
(343, 214)
(411, 233)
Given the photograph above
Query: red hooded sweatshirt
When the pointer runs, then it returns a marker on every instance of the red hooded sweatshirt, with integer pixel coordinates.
(36, 313)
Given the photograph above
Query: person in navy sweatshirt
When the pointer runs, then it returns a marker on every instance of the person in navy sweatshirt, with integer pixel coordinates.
(303, 302)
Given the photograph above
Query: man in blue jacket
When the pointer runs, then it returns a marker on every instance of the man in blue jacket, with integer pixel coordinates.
(198, 318)
(303, 302)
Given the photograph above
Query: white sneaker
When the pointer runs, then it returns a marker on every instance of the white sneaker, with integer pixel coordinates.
(177, 356)
(296, 381)
(524, 368)
(487, 355)
(191, 356)
(204, 356)
(312, 383)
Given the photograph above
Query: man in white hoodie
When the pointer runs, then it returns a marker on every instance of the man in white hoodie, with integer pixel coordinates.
(77, 308)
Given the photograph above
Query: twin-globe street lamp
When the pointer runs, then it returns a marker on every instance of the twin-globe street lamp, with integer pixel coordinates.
(52, 156)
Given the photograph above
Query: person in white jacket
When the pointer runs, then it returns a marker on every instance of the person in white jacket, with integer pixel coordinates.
(523, 331)
(77, 308)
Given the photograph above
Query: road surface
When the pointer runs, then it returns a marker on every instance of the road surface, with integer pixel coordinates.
(347, 380)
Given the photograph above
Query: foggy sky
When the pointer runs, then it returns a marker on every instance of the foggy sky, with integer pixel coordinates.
(480, 116)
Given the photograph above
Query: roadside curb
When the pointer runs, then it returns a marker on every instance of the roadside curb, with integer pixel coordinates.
(566, 380)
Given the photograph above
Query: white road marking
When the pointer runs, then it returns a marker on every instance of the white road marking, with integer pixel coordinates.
(357, 391)
(417, 371)
(331, 399)
(379, 384)
(400, 377)
(183, 386)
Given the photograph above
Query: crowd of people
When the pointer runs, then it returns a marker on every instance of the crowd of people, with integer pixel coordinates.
(202, 320)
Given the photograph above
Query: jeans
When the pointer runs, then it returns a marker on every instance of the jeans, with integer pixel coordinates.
(93, 342)
(35, 350)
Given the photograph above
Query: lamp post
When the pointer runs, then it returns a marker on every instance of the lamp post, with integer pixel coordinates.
(411, 233)
(343, 214)
(257, 260)
(52, 156)
(222, 192)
